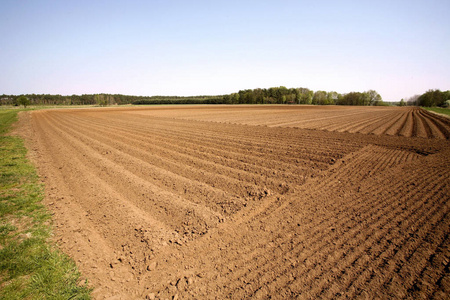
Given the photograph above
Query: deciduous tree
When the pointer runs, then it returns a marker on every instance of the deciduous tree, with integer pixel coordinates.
(22, 100)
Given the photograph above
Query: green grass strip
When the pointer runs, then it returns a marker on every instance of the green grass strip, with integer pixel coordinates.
(31, 266)
(444, 111)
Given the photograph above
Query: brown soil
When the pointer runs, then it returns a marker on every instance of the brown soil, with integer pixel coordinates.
(200, 202)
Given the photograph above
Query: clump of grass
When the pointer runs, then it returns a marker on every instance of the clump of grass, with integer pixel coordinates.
(31, 267)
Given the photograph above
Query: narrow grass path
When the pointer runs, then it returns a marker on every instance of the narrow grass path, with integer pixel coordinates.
(443, 111)
(31, 267)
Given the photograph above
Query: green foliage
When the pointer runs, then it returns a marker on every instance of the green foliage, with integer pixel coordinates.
(332, 98)
(447, 104)
(434, 98)
(370, 97)
(104, 99)
(100, 99)
(402, 103)
(22, 100)
(30, 266)
(352, 98)
(320, 98)
(283, 95)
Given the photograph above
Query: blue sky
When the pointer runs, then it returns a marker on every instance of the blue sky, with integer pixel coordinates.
(398, 48)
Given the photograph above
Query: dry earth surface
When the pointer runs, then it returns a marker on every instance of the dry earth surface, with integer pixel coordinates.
(214, 202)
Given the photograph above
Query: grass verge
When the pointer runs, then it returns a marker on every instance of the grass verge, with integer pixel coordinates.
(444, 111)
(31, 267)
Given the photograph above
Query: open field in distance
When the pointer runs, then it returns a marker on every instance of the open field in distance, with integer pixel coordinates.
(234, 202)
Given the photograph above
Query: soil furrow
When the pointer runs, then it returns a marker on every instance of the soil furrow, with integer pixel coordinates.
(247, 187)
(387, 127)
(140, 179)
(206, 159)
(277, 242)
(441, 123)
(352, 125)
(314, 251)
(408, 126)
(375, 126)
(248, 151)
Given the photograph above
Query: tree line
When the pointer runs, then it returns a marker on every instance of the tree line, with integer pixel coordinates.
(273, 95)
(431, 98)
(104, 99)
(283, 95)
(48, 99)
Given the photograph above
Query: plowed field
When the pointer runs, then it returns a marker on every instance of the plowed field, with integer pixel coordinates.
(409, 122)
(249, 201)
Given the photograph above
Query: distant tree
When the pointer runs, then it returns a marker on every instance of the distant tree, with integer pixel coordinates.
(259, 95)
(320, 98)
(446, 104)
(101, 100)
(235, 98)
(432, 98)
(372, 98)
(87, 99)
(281, 91)
(226, 99)
(402, 103)
(110, 100)
(22, 100)
(446, 95)
(332, 97)
(247, 96)
(352, 98)
(305, 96)
(291, 98)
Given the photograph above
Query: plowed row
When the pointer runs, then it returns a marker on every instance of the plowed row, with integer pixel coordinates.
(200, 203)
(406, 121)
